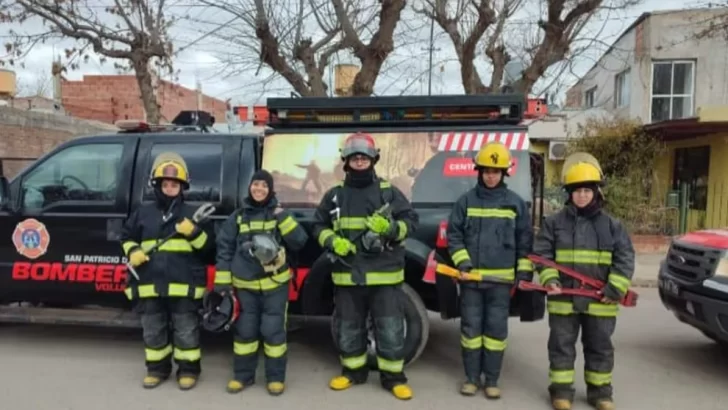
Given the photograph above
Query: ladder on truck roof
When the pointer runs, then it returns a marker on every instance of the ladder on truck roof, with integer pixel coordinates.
(400, 111)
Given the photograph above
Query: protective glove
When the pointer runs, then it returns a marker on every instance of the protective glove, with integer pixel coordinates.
(611, 293)
(138, 257)
(379, 224)
(524, 276)
(466, 266)
(185, 227)
(342, 246)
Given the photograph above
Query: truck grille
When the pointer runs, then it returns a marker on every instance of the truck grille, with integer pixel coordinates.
(691, 262)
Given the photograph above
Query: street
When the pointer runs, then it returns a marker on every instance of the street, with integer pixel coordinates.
(661, 363)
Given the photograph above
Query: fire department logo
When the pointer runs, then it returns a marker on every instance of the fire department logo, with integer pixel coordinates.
(31, 238)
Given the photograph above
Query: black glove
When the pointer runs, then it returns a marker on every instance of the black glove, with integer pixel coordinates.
(465, 266)
(524, 276)
(612, 293)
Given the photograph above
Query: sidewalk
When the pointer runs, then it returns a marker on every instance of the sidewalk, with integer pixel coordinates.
(646, 267)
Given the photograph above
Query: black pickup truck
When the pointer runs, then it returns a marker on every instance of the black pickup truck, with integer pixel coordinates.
(61, 216)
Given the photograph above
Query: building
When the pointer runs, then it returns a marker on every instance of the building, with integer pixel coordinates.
(109, 98)
(662, 71)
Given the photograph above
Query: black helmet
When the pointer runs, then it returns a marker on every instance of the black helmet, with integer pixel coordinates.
(220, 311)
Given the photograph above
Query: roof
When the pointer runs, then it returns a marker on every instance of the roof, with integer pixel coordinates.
(686, 128)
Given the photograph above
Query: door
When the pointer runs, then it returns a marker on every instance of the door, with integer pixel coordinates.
(60, 244)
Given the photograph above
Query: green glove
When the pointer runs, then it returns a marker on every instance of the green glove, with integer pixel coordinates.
(378, 224)
(342, 246)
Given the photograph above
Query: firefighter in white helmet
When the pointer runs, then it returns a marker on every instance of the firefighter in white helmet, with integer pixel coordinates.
(582, 236)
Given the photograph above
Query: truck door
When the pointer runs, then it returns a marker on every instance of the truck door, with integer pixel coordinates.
(59, 232)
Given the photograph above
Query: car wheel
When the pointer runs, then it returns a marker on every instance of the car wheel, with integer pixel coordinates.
(416, 329)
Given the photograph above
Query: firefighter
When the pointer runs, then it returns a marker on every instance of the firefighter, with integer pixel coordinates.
(489, 234)
(171, 282)
(363, 223)
(251, 261)
(584, 237)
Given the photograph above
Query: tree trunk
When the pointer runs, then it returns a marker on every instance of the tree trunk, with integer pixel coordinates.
(146, 88)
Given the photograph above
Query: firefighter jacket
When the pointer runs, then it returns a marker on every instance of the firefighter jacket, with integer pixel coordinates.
(597, 246)
(177, 267)
(343, 212)
(490, 230)
(235, 263)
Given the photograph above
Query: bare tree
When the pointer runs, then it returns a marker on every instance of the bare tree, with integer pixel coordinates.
(297, 39)
(561, 25)
(133, 32)
(40, 86)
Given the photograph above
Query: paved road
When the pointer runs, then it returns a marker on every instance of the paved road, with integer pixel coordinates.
(661, 364)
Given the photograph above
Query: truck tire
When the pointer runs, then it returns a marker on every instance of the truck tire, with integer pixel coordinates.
(417, 329)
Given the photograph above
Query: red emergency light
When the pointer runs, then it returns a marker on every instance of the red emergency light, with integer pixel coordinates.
(259, 114)
(132, 125)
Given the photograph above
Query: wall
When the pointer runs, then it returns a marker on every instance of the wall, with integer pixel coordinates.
(716, 214)
(614, 61)
(109, 98)
(671, 39)
(552, 168)
(29, 134)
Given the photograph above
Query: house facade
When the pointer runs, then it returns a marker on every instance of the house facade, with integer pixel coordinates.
(662, 71)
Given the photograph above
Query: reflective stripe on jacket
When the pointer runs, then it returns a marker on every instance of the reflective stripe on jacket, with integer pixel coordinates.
(236, 266)
(596, 246)
(177, 267)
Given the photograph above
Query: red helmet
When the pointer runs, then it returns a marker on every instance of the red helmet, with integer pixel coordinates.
(360, 143)
(220, 311)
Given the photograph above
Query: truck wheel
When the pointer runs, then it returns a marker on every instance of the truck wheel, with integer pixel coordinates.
(416, 329)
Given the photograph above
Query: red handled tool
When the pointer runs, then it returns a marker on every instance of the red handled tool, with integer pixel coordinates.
(629, 299)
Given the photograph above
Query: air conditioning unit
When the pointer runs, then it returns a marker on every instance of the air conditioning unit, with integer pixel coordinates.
(557, 150)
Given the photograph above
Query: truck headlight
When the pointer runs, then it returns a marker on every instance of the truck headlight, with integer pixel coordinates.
(722, 269)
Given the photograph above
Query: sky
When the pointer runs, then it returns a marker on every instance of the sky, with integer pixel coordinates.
(204, 57)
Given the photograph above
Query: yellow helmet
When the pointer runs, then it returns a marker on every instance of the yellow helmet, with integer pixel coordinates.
(493, 155)
(169, 165)
(581, 168)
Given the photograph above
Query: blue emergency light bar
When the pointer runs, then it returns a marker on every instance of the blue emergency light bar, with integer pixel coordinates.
(482, 109)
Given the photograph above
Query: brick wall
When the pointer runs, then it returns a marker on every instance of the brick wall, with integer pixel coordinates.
(29, 134)
(109, 98)
(574, 96)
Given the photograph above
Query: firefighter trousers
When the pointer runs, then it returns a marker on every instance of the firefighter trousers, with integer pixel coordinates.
(483, 331)
(596, 339)
(171, 329)
(353, 306)
(264, 316)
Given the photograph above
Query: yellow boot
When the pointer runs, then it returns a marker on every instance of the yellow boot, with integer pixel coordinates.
(561, 404)
(605, 404)
(492, 393)
(234, 386)
(276, 388)
(402, 392)
(468, 389)
(340, 383)
(151, 381)
(187, 382)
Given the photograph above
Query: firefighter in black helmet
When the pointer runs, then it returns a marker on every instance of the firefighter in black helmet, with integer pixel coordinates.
(582, 236)
(171, 282)
(369, 267)
(251, 258)
(489, 235)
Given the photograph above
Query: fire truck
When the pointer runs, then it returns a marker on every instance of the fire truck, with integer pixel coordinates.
(61, 261)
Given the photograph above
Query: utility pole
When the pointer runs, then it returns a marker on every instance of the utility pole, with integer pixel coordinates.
(431, 49)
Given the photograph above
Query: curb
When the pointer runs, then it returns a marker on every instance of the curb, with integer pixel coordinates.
(644, 283)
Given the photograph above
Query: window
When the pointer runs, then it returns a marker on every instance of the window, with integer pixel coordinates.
(589, 97)
(204, 162)
(691, 167)
(672, 90)
(621, 89)
(88, 172)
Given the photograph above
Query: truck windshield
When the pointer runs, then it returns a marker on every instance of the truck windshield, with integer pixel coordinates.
(430, 168)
